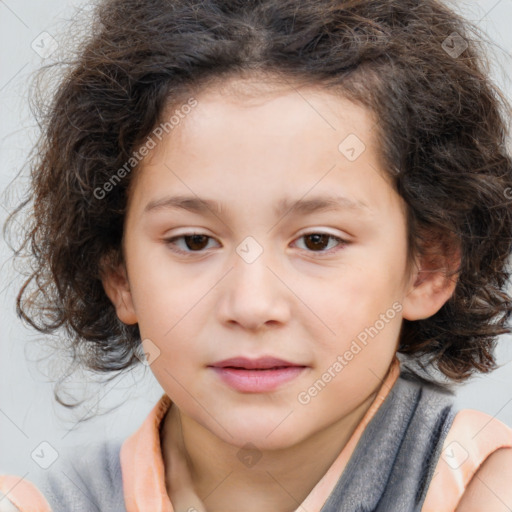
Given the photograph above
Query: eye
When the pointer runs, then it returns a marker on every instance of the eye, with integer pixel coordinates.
(317, 242)
(198, 242)
(194, 242)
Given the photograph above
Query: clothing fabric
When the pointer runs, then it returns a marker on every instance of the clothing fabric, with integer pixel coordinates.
(411, 452)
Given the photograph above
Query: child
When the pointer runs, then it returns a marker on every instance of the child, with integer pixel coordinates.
(292, 208)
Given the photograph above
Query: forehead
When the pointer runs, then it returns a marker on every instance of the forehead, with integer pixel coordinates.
(253, 109)
(245, 136)
(237, 120)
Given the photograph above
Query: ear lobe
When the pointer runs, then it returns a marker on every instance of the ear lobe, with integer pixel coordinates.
(432, 286)
(117, 287)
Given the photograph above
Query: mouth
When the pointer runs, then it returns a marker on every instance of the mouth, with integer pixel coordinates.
(262, 363)
(260, 375)
(259, 369)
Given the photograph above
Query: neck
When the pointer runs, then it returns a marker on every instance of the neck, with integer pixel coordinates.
(203, 470)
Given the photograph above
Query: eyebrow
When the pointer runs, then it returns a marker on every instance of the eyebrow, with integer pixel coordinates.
(302, 206)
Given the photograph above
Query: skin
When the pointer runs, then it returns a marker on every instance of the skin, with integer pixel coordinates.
(248, 148)
(490, 489)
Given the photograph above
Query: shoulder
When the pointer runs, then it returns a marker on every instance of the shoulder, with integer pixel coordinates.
(490, 488)
(89, 474)
(476, 455)
(85, 476)
(17, 494)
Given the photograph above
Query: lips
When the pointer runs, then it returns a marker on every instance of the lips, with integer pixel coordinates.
(262, 375)
(262, 363)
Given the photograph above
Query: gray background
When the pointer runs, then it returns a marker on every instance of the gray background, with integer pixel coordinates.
(28, 412)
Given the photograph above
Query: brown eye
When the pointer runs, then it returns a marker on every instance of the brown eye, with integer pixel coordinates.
(192, 243)
(196, 242)
(319, 242)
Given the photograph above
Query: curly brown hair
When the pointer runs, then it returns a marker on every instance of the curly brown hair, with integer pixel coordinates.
(419, 66)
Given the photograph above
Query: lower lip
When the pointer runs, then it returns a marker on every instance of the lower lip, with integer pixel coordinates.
(258, 381)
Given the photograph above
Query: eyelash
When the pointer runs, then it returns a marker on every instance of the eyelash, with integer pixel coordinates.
(341, 243)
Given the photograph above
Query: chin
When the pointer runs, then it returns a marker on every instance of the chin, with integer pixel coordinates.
(263, 437)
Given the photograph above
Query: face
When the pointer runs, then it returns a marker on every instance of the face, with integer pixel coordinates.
(291, 244)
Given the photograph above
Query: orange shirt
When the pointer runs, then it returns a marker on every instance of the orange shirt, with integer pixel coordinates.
(143, 471)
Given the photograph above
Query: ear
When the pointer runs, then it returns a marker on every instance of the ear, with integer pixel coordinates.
(432, 282)
(117, 287)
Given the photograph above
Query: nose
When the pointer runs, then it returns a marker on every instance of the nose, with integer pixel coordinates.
(253, 295)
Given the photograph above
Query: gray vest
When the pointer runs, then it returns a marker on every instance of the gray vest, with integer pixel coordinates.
(389, 471)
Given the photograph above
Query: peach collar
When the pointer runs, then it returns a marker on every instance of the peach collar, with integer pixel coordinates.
(143, 469)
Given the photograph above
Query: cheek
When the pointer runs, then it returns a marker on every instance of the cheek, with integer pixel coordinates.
(161, 293)
(355, 298)
(359, 316)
